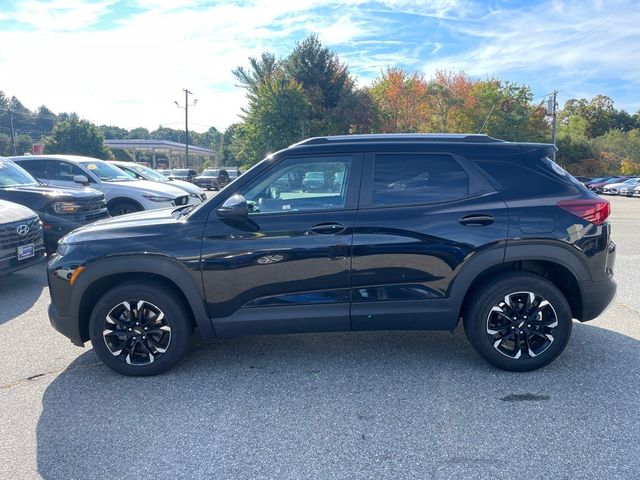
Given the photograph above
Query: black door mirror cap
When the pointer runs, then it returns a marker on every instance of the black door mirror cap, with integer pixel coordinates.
(234, 207)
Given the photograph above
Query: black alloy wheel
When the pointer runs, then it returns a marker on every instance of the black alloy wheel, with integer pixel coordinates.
(141, 328)
(523, 324)
(136, 331)
(123, 208)
(518, 321)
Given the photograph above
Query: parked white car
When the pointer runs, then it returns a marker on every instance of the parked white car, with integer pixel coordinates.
(122, 193)
(614, 188)
(140, 172)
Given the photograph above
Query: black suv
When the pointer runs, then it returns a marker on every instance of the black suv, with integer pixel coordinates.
(60, 209)
(409, 232)
(185, 174)
(216, 178)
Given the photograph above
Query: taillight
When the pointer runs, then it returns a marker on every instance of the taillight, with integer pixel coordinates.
(594, 210)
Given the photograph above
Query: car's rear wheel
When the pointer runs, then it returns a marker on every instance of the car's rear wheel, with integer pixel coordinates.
(122, 208)
(140, 329)
(518, 321)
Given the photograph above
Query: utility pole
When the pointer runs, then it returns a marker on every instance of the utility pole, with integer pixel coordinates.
(13, 133)
(186, 121)
(552, 109)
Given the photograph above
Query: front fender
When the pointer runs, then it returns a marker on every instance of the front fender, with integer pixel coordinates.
(158, 265)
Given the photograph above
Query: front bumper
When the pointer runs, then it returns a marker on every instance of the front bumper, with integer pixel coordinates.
(57, 226)
(12, 264)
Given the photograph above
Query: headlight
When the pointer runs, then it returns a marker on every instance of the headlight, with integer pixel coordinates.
(66, 207)
(63, 248)
(158, 198)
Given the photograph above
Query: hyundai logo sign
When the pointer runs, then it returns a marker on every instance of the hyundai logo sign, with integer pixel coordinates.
(22, 230)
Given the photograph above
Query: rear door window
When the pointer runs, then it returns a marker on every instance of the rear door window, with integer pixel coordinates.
(414, 179)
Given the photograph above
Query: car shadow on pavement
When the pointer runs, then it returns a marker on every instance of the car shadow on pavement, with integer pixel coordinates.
(359, 405)
(20, 290)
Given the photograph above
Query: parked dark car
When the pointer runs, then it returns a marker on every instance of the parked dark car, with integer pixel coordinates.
(185, 174)
(21, 239)
(60, 209)
(583, 180)
(216, 178)
(314, 181)
(599, 186)
(516, 260)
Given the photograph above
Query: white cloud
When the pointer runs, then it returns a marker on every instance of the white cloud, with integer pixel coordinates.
(128, 73)
(572, 41)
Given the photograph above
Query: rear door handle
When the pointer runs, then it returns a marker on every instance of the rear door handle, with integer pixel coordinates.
(328, 228)
(477, 219)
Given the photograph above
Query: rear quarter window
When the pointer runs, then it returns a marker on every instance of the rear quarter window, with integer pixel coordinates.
(529, 178)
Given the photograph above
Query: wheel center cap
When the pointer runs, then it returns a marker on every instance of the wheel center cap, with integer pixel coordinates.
(521, 324)
(138, 331)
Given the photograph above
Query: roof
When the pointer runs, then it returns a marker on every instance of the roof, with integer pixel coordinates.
(450, 138)
(54, 156)
(403, 137)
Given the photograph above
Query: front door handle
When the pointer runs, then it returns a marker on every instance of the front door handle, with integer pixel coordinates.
(477, 219)
(328, 228)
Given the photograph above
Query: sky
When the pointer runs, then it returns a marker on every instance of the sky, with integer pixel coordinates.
(125, 62)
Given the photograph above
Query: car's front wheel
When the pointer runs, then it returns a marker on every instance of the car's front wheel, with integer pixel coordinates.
(140, 329)
(518, 321)
(123, 207)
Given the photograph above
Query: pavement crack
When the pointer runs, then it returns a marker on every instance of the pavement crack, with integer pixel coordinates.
(51, 372)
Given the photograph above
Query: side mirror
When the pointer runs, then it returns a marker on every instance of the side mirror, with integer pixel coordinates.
(234, 207)
(81, 179)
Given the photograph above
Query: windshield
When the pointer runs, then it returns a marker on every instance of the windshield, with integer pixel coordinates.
(180, 172)
(106, 172)
(146, 172)
(11, 175)
(211, 173)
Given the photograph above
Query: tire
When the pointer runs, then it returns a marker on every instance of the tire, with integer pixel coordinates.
(538, 330)
(156, 349)
(122, 208)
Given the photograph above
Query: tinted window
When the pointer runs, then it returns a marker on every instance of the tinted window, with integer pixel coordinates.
(37, 168)
(411, 179)
(531, 178)
(65, 171)
(301, 184)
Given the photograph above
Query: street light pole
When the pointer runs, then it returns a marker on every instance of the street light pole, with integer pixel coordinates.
(13, 133)
(186, 121)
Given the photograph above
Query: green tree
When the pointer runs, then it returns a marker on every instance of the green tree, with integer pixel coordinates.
(24, 143)
(326, 86)
(259, 71)
(139, 133)
(617, 147)
(273, 120)
(5, 145)
(111, 132)
(77, 137)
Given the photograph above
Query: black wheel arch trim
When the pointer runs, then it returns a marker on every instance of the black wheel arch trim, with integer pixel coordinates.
(160, 265)
(557, 253)
(115, 201)
(550, 251)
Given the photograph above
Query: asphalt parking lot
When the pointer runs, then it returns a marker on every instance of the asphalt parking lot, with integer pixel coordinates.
(360, 405)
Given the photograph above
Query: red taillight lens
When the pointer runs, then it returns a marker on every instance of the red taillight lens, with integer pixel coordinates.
(594, 210)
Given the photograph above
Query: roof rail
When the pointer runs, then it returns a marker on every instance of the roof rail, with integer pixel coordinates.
(406, 137)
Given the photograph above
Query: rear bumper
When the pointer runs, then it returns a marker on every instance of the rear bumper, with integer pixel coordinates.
(597, 296)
